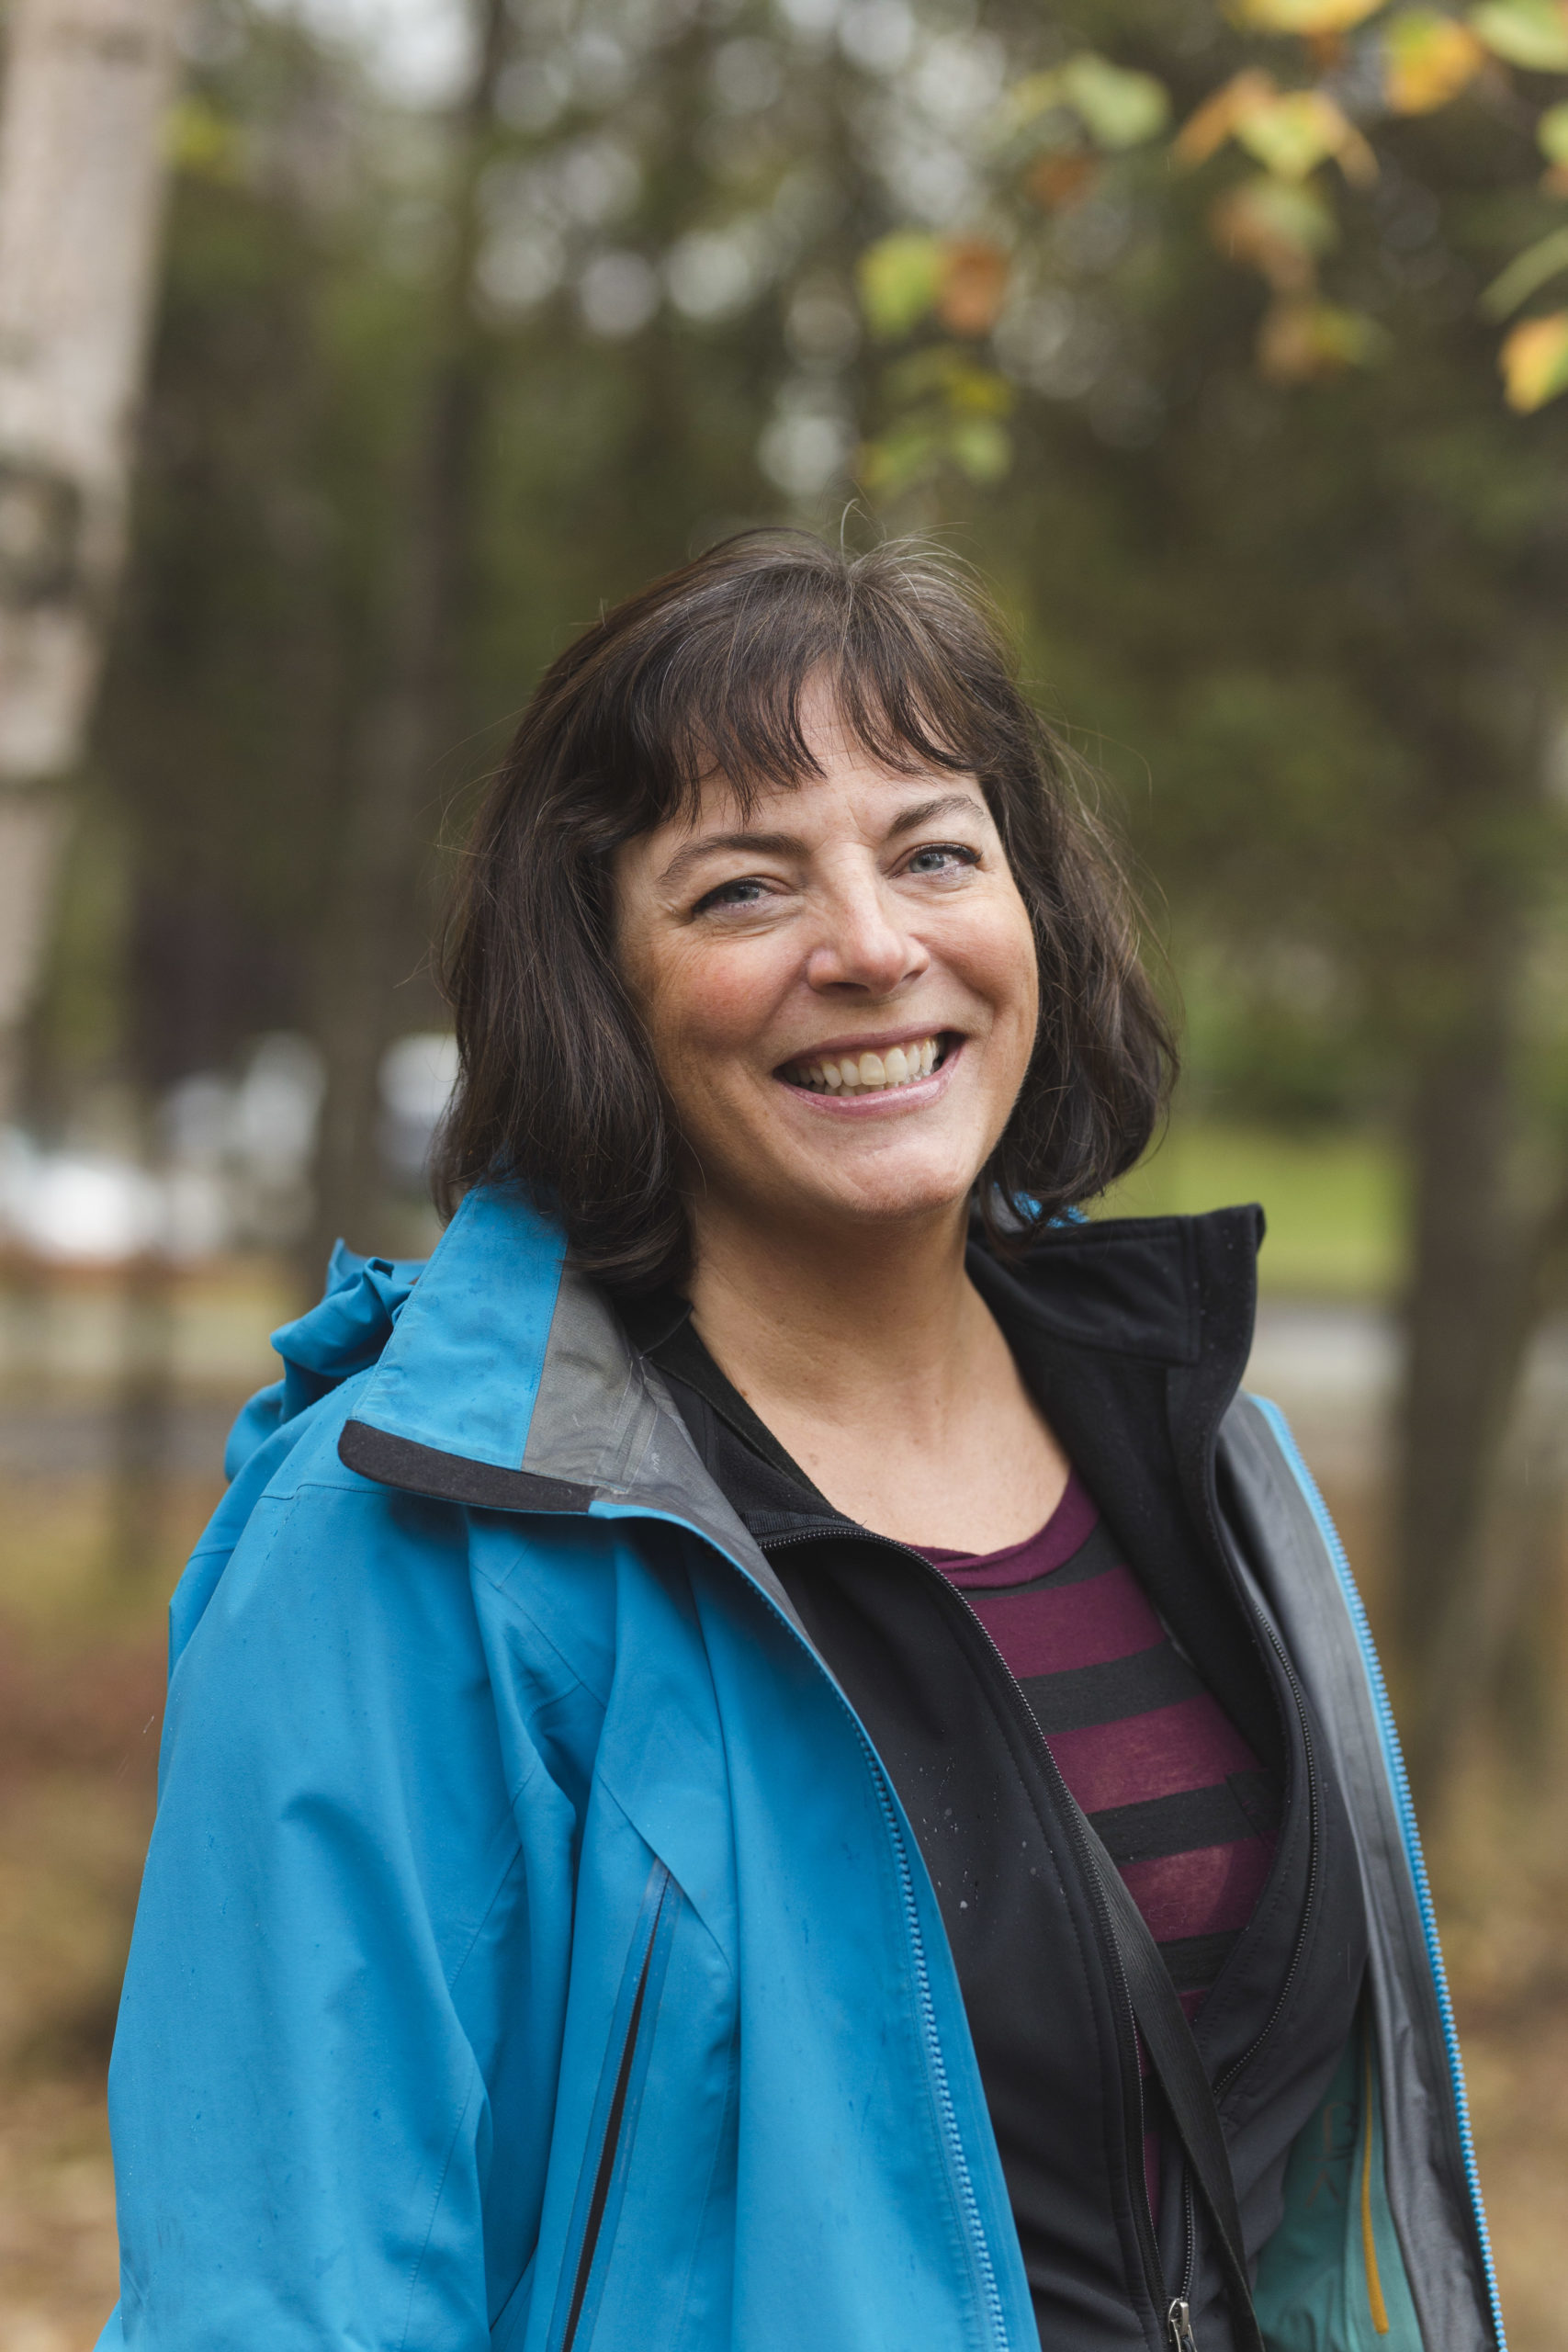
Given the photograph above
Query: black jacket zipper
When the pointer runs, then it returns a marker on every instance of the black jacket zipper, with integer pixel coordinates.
(1131, 2080)
(610, 2147)
(1174, 2312)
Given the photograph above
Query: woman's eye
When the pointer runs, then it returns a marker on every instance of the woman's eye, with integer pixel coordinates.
(942, 857)
(745, 892)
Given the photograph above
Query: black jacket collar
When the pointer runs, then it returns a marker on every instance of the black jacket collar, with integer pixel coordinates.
(1134, 1334)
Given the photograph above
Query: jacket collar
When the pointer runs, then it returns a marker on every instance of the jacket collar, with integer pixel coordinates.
(509, 1382)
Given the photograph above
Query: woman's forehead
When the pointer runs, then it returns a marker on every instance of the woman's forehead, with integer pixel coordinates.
(852, 787)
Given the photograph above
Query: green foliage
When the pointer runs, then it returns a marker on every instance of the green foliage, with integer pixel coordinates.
(1531, 33)
(901, 279)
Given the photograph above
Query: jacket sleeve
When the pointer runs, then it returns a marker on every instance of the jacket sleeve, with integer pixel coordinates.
(328, 1995)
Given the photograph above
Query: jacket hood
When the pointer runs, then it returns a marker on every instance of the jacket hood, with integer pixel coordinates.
(345, 1332)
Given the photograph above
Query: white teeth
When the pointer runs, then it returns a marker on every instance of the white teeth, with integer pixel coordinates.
(870, 1073)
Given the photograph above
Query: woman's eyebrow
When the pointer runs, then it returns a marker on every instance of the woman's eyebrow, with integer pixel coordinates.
(764, 844)
(947, 804)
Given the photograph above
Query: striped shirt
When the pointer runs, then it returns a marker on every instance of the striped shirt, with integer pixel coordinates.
(1178, 1798)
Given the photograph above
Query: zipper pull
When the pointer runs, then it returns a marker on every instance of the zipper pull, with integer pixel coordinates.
(1179, 2319)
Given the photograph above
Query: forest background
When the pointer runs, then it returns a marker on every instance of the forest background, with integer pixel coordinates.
(466, 324)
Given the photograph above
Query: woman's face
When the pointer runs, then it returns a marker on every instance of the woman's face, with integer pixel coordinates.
(840, 985)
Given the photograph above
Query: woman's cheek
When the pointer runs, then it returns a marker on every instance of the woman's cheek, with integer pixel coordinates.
(729, 996)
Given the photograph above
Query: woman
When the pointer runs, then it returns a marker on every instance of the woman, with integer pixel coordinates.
(760, 1755)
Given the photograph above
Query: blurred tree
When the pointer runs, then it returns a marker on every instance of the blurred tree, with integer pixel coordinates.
(81, 170)
(1333, 609)
(432, 382)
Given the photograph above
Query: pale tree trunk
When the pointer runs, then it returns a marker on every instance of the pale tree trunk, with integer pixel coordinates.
(82, 120)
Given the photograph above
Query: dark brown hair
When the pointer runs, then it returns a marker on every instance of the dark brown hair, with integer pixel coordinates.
(704, 672)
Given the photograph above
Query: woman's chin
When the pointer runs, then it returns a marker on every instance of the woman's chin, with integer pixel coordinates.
(859, 1198)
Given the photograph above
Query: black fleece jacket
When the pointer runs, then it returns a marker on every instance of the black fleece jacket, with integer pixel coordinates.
(1133, 1335)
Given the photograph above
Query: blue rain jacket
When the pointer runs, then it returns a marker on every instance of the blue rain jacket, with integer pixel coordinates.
(533, 1952)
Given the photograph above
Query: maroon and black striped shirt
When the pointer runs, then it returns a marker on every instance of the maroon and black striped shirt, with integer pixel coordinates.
(1178, 1798)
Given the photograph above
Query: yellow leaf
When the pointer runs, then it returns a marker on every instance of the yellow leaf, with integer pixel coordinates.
(900, 280)
(1531, 33)
(1534, 361)
(1277, 227)
(1551, 133)
(974, 286)
(982, 448)
(1430, 59)
(1119, 108)
(1296, 132)
(907, 454)
(1302, 16)
(1205, 132)
(1027, 100)
(1301, 341)
(944, 373)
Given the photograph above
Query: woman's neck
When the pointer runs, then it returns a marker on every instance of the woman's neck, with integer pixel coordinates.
(830, 1317)
(878, 1366)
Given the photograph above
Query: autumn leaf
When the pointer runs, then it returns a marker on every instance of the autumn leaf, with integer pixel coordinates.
(1296, 132)
(1300, 341)
(1027, 100)
(1276, 226)
(1206, 131)
(901, 280)
(1428, 59)
(1118, 109)
(1058, 181)
(1534, 361)
(899, 458)
(1302, 17)
(1291, 131)
(1531, 33)
(952, 376)
(972, 285)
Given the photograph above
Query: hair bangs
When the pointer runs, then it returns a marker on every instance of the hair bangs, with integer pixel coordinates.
(728, 695)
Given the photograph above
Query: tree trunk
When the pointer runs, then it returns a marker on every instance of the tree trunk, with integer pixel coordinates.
(374, 936)
(87, 87)
(1461, 1326)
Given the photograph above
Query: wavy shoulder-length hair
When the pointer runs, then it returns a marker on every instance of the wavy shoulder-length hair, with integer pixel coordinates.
(703, 673)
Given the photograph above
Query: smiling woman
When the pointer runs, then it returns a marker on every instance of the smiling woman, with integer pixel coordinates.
(664, 758)
(763, 1754)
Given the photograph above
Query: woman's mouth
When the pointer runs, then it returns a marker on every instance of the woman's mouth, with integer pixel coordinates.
(880, 1073)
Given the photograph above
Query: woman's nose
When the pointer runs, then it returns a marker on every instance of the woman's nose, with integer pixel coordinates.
(863, 943)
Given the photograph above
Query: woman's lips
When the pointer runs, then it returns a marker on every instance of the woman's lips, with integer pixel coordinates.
(864, 1100)
(891, 1069)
